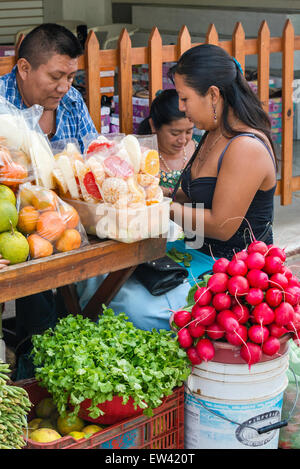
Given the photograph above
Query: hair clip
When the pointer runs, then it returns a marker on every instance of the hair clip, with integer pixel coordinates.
(158, 92)
(237, 63)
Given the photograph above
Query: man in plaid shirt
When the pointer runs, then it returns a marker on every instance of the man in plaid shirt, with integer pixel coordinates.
(46, 66)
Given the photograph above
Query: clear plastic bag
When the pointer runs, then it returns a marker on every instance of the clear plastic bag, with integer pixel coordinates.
(21, 133)
(50, 224)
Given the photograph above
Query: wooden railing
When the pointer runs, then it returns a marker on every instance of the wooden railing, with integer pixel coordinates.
(155, 54)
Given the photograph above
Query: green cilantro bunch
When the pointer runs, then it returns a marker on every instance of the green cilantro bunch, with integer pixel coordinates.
(80, 359)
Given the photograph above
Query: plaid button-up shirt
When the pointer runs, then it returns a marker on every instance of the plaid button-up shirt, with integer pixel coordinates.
(73, 120)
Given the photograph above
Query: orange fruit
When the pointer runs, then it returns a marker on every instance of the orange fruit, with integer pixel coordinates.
(44, 199)
(150, 163)
(28, 217)
(39, 247)
(70, 215)
(26, 195)
(68, 241)
(50, 225)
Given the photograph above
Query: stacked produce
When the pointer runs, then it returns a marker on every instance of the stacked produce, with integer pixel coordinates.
(250, 302)
(84, 360)
(47, 425)
(50, 224)
(13, 244)
(14, 406)
(117, 172)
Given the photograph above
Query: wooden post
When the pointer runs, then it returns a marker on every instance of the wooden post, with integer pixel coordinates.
(125, 83)
(287, 112)
(183, 41)
(155, 63)
(212, 36)
(238, 44)
(263, 63)
(92, 69)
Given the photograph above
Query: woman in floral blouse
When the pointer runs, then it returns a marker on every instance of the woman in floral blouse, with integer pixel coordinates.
(174, 136)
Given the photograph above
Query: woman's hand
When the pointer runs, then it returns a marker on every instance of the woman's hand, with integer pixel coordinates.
(3, 262)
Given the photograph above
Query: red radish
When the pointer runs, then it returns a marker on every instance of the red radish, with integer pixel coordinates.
(278, 280)
(294, 325)
(238, 336)
(251, 353)
(241, 312)
(276, 251)
(258, 334)
(277, 331)
(242, 255)
(215, 331)
(205, 349)
(293, 281)
(292, 295)
(196, 329)
(238, 285)
(263, 314)
(273, 297)
(273, 265)
(237, 267)
(254, 296)
(205, 315)
(271, 346)
(221, 301)
(286, 271)
(220, 265)
(184, 338)
(228, 320)
(284, 314)
(202, 296)
(257, 246)
(258, 279)
(217, 283)
(255, 260)
(182, 318)
(193, 356)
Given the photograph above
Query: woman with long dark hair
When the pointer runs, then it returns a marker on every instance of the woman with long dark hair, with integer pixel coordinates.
(174, 137)
(233, 172)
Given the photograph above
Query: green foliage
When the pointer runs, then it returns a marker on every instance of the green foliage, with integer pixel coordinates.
(81, 359)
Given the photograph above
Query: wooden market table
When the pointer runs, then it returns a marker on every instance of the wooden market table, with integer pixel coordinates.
(60, 271)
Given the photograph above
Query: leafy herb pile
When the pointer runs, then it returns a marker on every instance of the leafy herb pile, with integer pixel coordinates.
(81, 359)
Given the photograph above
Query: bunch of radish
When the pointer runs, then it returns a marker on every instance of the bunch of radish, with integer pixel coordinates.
(249, 301)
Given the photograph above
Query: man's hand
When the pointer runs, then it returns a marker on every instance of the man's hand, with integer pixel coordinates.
(3, 262)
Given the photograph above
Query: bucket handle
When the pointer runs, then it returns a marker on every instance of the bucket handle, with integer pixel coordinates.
(265, 429)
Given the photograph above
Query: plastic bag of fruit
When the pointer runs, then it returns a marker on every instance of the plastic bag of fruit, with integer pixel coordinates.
(30, 153)
(127, 170)
(15, 166)
(50, 224)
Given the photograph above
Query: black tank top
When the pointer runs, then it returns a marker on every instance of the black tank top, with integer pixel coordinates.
(259, 214)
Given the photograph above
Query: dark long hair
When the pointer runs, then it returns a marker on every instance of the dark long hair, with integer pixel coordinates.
(163, 110)
(209, 65)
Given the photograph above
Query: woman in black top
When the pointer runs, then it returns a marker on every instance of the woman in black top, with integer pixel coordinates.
(230, 181)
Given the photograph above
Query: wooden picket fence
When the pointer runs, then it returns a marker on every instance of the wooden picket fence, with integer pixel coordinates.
(155, 54)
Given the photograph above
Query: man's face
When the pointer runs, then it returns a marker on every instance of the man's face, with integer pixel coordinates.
(47, 84)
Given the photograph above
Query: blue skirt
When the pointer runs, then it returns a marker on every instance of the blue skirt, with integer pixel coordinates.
(144, 310)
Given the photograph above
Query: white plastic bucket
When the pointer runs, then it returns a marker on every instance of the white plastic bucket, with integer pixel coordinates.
(252, 398)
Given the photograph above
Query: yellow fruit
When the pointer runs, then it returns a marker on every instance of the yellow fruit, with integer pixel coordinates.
(45, 408)
(44, 435)
(47, 423)
(77, 435)
(34, 424)
(69, 424)
(91, 429)
(7, 194)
